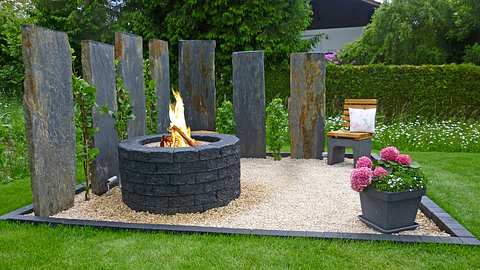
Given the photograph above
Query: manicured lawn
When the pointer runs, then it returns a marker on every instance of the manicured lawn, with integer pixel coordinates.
(454, 185)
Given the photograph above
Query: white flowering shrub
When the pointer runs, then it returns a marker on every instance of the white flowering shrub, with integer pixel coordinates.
(423, 135)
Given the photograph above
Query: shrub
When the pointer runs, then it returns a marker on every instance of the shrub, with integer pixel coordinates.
(443, 91)
(84, 97)
(11, 71)
(13, 144)
(150, 100)
(277, 82)
(277, 127)
(472, 54)
(224, 119)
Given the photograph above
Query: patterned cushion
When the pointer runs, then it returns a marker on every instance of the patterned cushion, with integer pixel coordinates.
(362, 120)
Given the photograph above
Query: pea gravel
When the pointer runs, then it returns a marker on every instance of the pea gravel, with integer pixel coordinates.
(290, 194)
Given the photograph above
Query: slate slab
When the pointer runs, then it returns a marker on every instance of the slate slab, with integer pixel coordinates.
(306, 107)
(249, 102)
(48, 102)
(160, 73)
(196, 81)
(129, 51)
(99, 70)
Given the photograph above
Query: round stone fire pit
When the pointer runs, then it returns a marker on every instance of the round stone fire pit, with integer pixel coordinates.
(168, 180)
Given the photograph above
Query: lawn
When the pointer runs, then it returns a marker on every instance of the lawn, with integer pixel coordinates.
(454, 185)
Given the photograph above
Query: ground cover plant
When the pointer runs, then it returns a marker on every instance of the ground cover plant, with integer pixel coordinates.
(423, 135)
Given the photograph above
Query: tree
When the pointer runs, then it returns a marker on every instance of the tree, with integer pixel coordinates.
(403, 32)
(80, 19)
(466, 20)
(12, 15)
(272, 26)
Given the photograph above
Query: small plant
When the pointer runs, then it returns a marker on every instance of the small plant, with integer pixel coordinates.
(224, 118)
(124, 111)
(150, 99)
(84, 96)
(277, 127)
(394, 172)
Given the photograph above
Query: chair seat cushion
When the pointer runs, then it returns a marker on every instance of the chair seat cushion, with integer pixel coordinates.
(349, 135)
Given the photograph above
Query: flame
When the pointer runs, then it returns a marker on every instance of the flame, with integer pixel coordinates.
(177, 119)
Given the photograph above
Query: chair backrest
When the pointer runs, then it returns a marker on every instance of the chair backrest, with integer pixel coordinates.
(358, 104)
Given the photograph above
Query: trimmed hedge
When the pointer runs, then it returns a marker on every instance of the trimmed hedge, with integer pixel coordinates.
(431, 91)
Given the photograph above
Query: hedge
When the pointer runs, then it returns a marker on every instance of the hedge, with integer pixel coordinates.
(430, 91)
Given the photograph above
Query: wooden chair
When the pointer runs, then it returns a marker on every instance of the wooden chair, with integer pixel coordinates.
(360, 142)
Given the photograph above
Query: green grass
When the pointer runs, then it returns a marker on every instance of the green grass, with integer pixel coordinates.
(40, 247)
(454, 185)
(14, 195)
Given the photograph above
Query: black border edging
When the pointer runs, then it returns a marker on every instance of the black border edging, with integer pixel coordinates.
(460, 235)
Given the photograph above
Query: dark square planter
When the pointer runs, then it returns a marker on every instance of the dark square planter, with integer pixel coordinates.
(390, 212)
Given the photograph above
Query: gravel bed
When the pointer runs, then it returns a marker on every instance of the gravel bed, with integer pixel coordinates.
(286, 195)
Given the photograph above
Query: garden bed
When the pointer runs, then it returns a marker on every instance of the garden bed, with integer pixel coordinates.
(301, 195)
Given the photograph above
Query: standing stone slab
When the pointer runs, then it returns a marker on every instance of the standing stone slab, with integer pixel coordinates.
(249, 102)
(197, 82)
(129, 50)
(49, 117)
(306, 105)
(99, 71)
(160, 72)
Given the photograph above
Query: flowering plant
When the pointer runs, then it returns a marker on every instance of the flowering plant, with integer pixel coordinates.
(394, 172)
(332, 57)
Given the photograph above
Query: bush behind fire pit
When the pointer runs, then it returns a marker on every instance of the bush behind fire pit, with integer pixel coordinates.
(179, 180)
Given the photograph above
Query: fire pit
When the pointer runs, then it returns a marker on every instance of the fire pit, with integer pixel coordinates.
(159, 177)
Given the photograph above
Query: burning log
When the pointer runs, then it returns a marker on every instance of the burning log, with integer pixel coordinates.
(190, 141)
(179, 132)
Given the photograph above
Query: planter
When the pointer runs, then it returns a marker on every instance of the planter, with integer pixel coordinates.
(390, 212)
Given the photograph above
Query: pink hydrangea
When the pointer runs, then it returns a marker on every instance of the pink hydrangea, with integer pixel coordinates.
(361, 178)
(364, 162)
(404, 159)
(380, 172)
(389, 153)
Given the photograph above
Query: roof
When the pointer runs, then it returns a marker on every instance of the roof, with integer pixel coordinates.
(342, 13)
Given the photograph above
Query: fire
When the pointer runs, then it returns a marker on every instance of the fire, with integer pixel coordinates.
(180, 135)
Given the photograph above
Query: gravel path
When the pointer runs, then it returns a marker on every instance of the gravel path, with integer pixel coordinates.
(286, 195)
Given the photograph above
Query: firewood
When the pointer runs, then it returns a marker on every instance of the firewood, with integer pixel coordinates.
(189, 140)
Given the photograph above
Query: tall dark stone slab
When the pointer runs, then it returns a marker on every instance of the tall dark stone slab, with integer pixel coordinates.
(99, 70)
(249, 102)
(129, 50)
(306, 105)
(160, 72)
(48, 102)
(196, 80)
